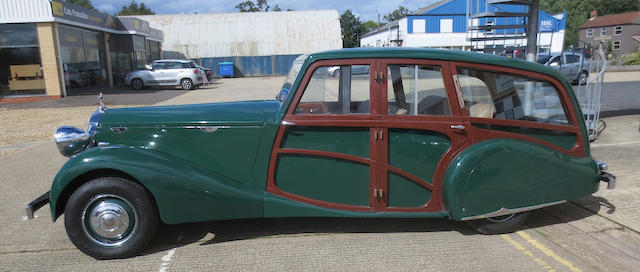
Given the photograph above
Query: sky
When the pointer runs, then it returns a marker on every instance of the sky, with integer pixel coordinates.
(365, 9)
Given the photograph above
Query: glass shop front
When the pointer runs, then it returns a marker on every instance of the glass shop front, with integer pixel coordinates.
(83, 58)
(20, 63)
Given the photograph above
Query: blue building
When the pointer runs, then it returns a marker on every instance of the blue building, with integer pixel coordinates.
(469, 25)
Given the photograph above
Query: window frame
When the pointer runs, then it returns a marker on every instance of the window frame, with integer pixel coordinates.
(589, 33)
(423, 25)
(343, 119)
(617, 30)
(573, 126)
(619, 45)
(417, 104)
(603, 31)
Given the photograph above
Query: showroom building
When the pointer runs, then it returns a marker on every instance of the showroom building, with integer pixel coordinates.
(51, 49)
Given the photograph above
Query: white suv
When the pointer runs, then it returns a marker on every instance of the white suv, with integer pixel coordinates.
(184, 73)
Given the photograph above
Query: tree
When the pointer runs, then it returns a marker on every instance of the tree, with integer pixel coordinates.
(396, 14)
(618, 6)
(258, 6)
(352, 29)
(578, 13)
(370, 26)
(135, 9)
(81, 3)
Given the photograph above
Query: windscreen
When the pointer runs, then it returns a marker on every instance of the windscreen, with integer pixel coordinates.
(291, 78)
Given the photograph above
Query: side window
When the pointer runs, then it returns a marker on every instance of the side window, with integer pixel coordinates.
(416, 90)
(556, 61)
(573, 58)
(336, 90)
(511, 97)
(173, 65)
(158, 65)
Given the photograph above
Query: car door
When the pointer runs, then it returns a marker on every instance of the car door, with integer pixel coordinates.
(420, 132)
(156, 74)
(573, 61)
(566, 67)
(324, 153)
(170, 73)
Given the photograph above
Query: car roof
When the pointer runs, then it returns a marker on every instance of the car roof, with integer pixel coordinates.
(436, 54)
(173, 60)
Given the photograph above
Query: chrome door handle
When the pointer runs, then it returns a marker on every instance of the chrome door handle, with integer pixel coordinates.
(461, 127)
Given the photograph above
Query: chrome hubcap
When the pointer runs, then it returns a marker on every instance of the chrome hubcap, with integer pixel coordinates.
(186, 84)
(109, 220)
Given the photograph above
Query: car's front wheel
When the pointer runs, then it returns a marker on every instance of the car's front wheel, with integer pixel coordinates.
(110, 218)
(137, 84)
(499, 224)
(186, 84)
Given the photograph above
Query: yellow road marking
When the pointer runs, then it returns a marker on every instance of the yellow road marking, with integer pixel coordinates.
(548, 252)
(525, 251)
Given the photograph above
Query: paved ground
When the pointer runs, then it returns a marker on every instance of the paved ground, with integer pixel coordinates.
(596, 233)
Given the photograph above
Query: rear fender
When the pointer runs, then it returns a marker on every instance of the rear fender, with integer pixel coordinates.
(513, 174)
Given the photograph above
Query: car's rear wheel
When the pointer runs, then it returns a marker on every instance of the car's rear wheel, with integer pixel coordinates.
(186, 84)
(110, 218)
(499, 224)
(582, 78)
(137, 84)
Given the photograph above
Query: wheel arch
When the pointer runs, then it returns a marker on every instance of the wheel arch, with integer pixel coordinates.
(60, 204)
(177, 187)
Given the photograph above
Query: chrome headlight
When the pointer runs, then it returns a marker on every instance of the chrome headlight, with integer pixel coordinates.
(71, 140)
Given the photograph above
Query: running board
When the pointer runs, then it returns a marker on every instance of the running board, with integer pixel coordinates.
(505, 211)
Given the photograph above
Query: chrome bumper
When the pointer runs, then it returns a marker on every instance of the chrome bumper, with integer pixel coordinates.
(36, 204)
(605, 176)
(609, 179)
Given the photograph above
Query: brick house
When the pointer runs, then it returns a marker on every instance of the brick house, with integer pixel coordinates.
(623, 30)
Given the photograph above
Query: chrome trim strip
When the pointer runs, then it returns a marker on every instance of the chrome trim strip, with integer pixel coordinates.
(505, 211)
(287, 123)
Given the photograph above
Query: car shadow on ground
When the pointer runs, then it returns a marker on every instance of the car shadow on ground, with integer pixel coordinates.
(209, 233)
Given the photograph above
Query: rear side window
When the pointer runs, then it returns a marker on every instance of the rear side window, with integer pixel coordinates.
(188, 65)
(336, 90)
(416, 90)
(173, 65)
(510, 97)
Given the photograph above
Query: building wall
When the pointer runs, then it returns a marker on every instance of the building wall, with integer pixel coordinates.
(50, 68)
(248, 34)
(629, 45)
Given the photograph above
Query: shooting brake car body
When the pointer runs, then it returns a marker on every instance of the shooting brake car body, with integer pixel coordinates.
(414, 133)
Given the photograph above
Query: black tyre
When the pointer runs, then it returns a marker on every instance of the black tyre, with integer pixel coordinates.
(186, 84)
(582, 78)
(499, 224)
(137, 84)
(110, 218)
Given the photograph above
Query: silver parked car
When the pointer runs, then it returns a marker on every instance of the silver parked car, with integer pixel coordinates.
(573, 65)
(183, 73)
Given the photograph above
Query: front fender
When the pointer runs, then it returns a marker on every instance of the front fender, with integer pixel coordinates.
(183, 192)
(507, 173)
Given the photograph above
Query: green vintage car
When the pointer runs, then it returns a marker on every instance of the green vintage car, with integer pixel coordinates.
(394, 133)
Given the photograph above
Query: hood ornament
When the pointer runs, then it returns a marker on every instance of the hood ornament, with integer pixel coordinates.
(101, 107)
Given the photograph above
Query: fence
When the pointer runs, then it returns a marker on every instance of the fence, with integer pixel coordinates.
(276, 65)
